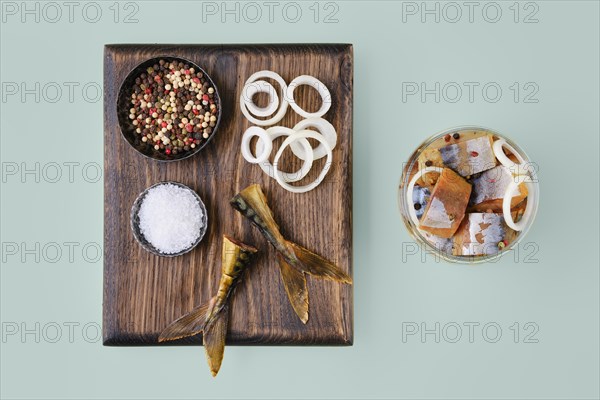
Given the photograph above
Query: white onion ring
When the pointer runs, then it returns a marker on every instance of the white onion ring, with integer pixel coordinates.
(504, 160)
(293, 137)
(325, 129)
(283, 105)
(274, 132)
(410, 189)
(255, 87)
(315, 83)
(265, 151)
(506, 202)
(519, 177)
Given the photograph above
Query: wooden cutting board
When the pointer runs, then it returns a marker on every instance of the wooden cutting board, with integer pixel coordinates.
(143, 293)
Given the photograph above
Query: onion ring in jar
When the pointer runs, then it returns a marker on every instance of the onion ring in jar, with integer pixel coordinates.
(324, 128)
(266, 149)
(293, 137)
(283, 105)
(319, 86)
(274, 132)
(504, 160)
(506, 202)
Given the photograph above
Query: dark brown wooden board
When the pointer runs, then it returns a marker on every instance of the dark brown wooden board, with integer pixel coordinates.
(143, 293)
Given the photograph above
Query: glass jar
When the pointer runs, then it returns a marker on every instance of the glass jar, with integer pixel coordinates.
(484, 232)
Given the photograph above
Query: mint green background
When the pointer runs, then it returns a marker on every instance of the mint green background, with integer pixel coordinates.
(559, 292)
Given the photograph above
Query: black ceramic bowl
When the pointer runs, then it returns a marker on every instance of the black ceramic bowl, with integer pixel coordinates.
(134, 220)
(127, 127)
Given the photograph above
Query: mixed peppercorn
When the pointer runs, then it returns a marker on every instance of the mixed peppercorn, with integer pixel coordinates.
(174, 107)
(456, 136)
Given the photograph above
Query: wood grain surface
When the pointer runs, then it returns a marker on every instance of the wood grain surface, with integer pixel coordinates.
(143, 293)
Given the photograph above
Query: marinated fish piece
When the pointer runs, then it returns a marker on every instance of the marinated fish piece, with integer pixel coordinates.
(294, 260)
(447, 205)
(421, 197)
(212, 318)
(482, 234)
(519, 209)
(439, 243)
(489, 189)
(468, 154)
(469, 157)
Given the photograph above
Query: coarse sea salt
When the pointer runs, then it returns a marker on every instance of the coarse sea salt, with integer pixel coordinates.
(170, 218)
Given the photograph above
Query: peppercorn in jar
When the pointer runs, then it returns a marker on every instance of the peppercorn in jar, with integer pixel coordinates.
(174, 107)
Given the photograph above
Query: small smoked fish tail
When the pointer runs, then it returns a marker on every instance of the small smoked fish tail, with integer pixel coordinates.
(212, 317)
(294, 260)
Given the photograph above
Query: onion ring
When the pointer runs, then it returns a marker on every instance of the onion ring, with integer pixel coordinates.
(255, 87)
(519, 177)
(274, 132)
(293, 137)
(283, 105)
(410, 189)
(325, 129)
(315, 83)
(508, 195)
(504, 160)
(265, 151)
